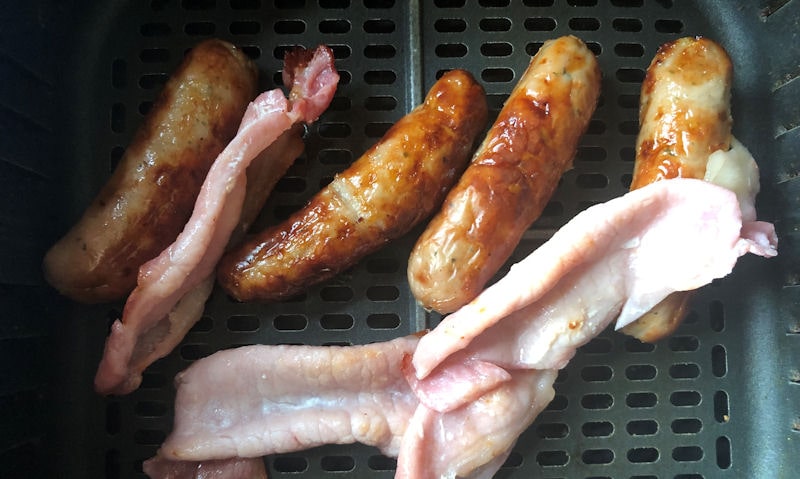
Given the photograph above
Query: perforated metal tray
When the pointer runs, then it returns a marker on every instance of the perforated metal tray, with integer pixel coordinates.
(718, 399)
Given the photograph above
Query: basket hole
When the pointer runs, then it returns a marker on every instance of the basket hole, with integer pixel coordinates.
(687, 453)
(290, 322)
(118, 118)
(629, 50)
(380, 77)
(379, 3)
(596, 127)
(338, 293)
(627, 154)
(204, 325)
(684, 343)
(380, 51)
(633, 345)
(559, 403)
(151, 409)
(597, 429)
(450, 25)
(641, 372)
(156, 29)
(383, 293)
(590, 153)
(630, 75)
(721, 407)
(337, 463)
(495, 24)
(152, 380)
(244, 28)
(716, 313)
(450, 50)
(334, 130)
(152, 81)
(149, 437)
(641, 455)
(597, 401)
(553, 209)
(597, 456)
(684, 371)
(514, 460)
(686, 426)
(113, 464)
(199, 28)
(290, 464)
(193, 352)
(719, 361)
(335, 157)
(685, 398)
(591, 181)
(669, 26)
(641, 400)
(584, 24)
(113, 418)
(334, 26)
(642, 427)
(245, 4)
(497, 75)
(555, 430)
(379, 26)
(540, 24)
(336, 321)
(119, 73)
(629, 127)
(243, 323)
(552, 458)
(380, 103)
(723, 446)
(291, 184)
(382, 265)
(382, 463)
(383, 321)
(596, 373)
(376, 130)
(496, 49)
(628, 101)
(627, 24)
(597, 346)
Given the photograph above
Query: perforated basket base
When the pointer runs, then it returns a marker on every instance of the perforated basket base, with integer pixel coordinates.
(691, 406)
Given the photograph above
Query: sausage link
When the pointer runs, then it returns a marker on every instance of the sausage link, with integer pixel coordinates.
(510, 178)
(150, 195)
(684, 116)
(392, 187)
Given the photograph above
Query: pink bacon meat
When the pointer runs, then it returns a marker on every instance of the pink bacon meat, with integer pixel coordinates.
(172, 278)
(461, 416)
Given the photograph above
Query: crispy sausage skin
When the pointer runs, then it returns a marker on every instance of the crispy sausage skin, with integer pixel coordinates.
(394, 185)
(150, 195)
(510, 178)
(684, 116)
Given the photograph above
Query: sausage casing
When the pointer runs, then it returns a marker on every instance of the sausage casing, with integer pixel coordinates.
(684, 116)
(150, 195)
(394, 185)
(510, 178)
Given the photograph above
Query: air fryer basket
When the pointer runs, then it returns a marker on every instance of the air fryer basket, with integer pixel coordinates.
(720, 398)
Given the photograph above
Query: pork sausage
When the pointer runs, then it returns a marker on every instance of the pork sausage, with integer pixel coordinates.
(684, 116)
(510, 179)
(386, 192)
(150, 195)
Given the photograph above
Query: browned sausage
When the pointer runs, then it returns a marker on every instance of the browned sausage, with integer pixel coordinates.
(393, 186)
(150, 195)
(510, 179)
(684, 116)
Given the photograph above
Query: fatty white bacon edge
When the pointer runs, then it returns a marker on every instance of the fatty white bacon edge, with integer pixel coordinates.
(190, 260)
